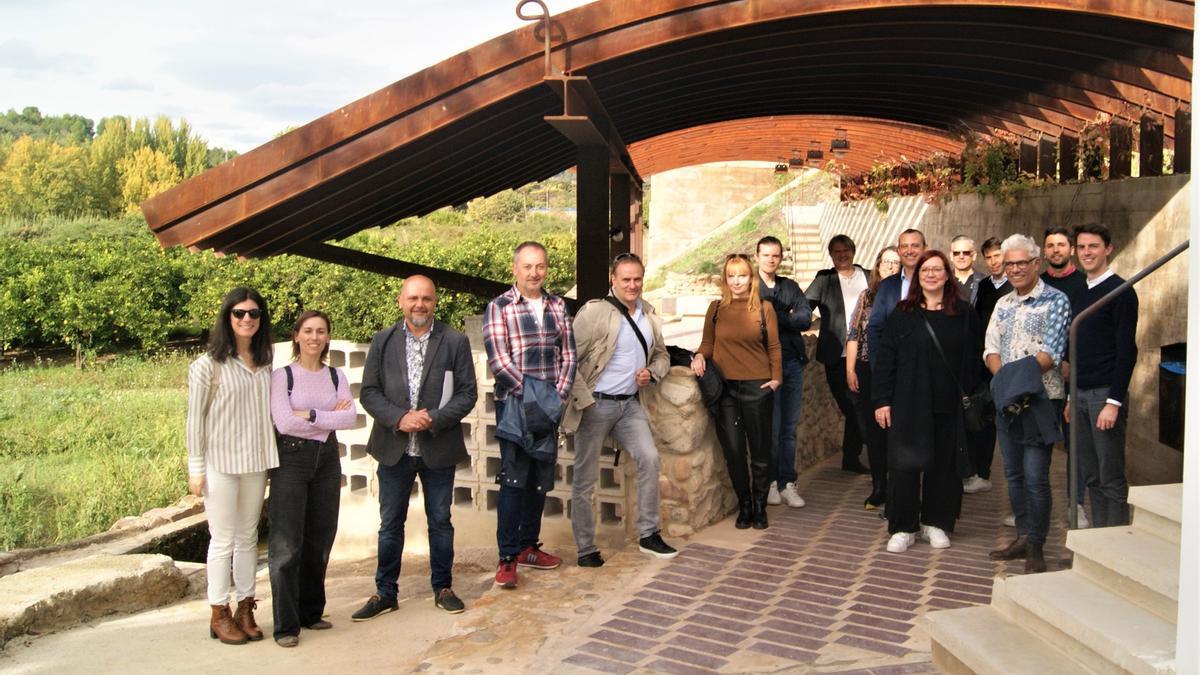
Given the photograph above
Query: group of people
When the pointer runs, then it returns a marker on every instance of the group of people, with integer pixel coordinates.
(901, 360)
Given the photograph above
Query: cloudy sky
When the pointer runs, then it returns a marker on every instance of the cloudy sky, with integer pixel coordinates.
(239, 72)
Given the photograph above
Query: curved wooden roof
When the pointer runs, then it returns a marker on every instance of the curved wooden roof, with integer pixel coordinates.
(472, 125)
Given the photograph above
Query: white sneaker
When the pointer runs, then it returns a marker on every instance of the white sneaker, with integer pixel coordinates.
(790, 496)
(976, 484)
(773, 497)
(900, 542)
(1010, 520)
(1081, 517)
(935, 536)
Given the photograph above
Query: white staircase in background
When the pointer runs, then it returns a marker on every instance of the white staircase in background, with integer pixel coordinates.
(1114, 611)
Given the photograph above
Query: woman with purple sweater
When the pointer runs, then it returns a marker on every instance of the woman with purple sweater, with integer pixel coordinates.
(309, 400)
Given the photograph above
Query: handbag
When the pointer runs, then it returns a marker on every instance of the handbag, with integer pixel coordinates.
(978, 412)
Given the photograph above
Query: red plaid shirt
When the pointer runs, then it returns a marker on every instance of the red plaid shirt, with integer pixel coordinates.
(517, 345)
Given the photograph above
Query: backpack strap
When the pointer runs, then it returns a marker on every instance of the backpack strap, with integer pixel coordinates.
(333, 376)
(291, 381)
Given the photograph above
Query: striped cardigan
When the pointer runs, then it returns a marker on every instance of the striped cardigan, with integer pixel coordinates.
(233, 433)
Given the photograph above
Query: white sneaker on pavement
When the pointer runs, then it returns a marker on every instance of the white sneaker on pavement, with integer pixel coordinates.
(1081, 517)
(773, 495)
(790, 496)
(976, 484)
(1010, 520)
(900, 542)
(936, 536)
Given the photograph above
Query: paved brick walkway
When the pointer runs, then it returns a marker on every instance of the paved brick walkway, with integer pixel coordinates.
(816, 591)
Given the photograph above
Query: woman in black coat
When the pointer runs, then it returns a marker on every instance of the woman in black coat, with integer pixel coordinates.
(916, 390)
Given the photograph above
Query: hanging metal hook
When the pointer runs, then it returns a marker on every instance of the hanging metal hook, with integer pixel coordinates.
(544, 17)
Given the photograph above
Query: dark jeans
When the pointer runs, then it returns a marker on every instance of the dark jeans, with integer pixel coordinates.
(395, 487)
(1027, 470)
(744, 417)
(852, 442)
(519, 509)
(1102, 458)
(303, 511)
(875, 435)
(930, 497)
(786, 417)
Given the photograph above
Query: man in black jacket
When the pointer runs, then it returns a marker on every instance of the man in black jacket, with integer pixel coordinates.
(1105, 357)
(795, 316)
(418, 384)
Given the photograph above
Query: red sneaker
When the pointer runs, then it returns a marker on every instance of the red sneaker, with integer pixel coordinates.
(535, 557)
(506, 574)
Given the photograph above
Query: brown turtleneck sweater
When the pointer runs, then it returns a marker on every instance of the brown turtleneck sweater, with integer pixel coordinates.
(733, 340)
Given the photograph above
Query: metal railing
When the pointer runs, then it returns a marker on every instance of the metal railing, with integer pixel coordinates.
(1073, 449)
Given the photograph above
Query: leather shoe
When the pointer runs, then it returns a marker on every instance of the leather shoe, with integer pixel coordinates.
(593, 559)
(745, 515)
(1015, 550)
(759, 519)
(1035, 562)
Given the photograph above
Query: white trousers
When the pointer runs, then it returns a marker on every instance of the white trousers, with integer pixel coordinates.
(233, 503)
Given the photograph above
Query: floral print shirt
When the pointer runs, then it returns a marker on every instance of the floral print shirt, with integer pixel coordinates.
(1025, 325)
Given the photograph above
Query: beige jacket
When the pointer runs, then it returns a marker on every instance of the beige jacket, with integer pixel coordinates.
(596, 326)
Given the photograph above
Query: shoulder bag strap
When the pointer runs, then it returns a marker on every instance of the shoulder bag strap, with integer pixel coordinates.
(632, 324)
(291, 381)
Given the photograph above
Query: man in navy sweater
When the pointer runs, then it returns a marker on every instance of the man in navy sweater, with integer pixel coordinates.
(1105, 356)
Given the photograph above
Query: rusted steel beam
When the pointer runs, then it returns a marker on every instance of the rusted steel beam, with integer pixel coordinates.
(1120, 150)
(586, 122)
(619, 209)
(391, 267)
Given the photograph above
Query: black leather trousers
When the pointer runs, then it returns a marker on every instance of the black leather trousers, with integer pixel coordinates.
(744, 415)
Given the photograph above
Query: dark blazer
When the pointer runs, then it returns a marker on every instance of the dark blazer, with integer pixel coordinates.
(825, 293)
(886, 299)
(988, 296)
(384, 395)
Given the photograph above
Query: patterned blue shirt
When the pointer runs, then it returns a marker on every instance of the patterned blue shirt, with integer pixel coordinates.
(414, 352)
(1025, 325)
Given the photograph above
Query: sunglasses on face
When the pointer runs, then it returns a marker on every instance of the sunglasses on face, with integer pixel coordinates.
(958, 253)
(242, 313)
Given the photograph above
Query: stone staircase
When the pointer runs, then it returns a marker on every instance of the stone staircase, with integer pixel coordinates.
(808, 253)
(1114, 611)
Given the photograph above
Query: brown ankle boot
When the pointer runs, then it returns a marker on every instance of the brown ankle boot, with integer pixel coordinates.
(1035, 562)
(222, 626)
(244, 618)
(1015, 550)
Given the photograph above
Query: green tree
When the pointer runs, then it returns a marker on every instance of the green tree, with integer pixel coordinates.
(144, 174)
(40, 177)
(502, 207)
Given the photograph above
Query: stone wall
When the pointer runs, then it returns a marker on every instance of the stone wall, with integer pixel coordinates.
(1148, 217)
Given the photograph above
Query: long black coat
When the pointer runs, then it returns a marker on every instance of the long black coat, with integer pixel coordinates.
(904, 368)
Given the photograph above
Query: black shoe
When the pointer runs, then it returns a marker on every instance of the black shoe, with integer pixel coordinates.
(593, 559)
(745, 515)
(875, 500)
(1035, 562)
(374, 607)
(655, 546)
(855, 467)
(319, 624)
(759, 519)
(447, 600)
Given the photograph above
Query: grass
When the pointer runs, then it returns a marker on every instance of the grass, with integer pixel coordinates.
(81, 449)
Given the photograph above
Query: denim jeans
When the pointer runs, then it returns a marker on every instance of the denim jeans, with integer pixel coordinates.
(395, 487)
(787, 416)
(1027, 470)
(1102, 458)
(628, 425)
(519, 509)
(304, 505)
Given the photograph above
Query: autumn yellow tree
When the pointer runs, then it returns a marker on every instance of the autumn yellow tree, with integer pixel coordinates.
(144, 174)
(40, 177)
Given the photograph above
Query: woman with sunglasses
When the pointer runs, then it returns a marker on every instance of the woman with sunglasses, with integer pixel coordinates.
(309, 402)
(742, 338)
(231, 446)
(858, 376)
(929, 353)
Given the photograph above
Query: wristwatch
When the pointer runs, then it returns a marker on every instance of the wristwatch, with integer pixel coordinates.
(312, 415)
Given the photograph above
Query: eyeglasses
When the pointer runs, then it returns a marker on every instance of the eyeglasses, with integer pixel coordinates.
(622, 257)
(933, 270)
(958, 253)
(241, 313)
(889, 263)
(1021, 265)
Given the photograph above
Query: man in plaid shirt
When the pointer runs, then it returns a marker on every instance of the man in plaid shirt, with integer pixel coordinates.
(527, 333)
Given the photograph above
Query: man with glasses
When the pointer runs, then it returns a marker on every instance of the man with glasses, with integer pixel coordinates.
(1029, 323)
(619, 342)
(962, 257)
(531, 352)
(794, 316)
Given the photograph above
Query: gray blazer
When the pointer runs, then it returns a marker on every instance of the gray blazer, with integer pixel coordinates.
(449, 376)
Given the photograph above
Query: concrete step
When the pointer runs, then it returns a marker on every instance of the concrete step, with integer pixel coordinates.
(1158, 509)
(982, 640)
(1105, 632)
(1149, 564)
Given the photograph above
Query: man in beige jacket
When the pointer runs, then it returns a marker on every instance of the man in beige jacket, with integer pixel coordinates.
(618, 340)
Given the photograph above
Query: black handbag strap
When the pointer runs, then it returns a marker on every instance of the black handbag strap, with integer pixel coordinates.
(632, 324)
(937, 343)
